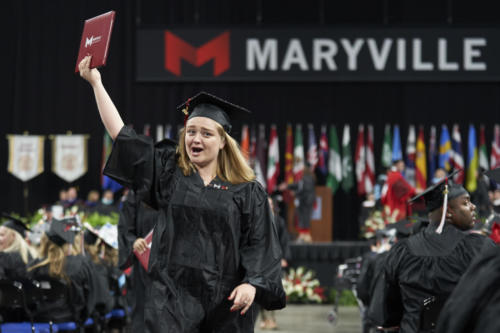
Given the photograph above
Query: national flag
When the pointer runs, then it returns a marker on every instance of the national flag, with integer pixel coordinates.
(253, 148)
(444, 149)
(147, 130)
(410, 156)
(289, 155)
(433, 153)
(347, 176)
(260, 160)
(397, 153)
(168, 132)
(360, 160)
(159, 133)
(334, 162)
(245, 142)
(298, 154)
(457, 159)
(312, 149)
(472, 161)
(273, 161)
(386, 159)
(323, 152)
(106, 182)
(483, 154)
(370, 161)
(495, 148)
(420, 162)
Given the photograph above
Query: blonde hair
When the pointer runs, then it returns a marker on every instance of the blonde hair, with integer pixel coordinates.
(231, 165)
(54, 257)
(20, 245)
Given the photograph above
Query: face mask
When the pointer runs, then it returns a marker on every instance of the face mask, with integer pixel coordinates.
(106, 201)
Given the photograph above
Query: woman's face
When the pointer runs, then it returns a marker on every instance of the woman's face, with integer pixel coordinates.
(6, 237)
(203, 141)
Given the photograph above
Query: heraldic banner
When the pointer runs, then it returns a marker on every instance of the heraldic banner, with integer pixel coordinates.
(25, 156)
(69, 156)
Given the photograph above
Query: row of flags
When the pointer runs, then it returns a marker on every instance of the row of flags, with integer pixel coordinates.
(334, 160)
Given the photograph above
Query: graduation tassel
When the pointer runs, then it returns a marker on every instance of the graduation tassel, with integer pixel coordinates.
(439, 229)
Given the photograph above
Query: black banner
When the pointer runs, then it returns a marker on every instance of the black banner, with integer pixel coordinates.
(318, 55)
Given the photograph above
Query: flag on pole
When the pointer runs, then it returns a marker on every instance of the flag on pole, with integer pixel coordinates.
(347, 176)
(495, 148)
(483, 154)
(420, 161)
(370, 161)
(159, 133)
(147, 130)
(289, 155)
(245, 142)
(298, 154)
(386, 159)
(273, 161)
(323, 152)
(397, 153)
(456, 157)
(360, 160)
(106, 182)
(312, 149)
(472, 161)
(334, 162)
(444, 149)
(260, 160)
(410, 156)
(253, 148)
(168, 132)
(433, 153)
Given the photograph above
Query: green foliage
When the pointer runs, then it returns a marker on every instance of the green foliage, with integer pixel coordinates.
(97, 220)
(346, 298)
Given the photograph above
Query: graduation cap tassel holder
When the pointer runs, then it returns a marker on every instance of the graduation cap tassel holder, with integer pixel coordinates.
(439, 229)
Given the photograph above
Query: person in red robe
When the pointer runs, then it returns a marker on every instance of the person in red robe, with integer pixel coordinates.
(397, 191)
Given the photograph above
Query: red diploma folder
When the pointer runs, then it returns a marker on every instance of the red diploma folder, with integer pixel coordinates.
(95, 39)
(144, 256)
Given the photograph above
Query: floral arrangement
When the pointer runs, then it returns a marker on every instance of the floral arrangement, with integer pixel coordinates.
(301, 286)
(377, 221)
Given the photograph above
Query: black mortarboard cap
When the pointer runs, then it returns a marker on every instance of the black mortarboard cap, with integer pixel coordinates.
(63, 231)
(206, 105)
(15, 224)
(434, 195)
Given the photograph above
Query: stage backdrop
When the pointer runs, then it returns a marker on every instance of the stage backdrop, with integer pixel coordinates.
(42, 95)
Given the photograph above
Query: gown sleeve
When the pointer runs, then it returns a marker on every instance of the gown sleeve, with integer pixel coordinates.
(386, 308)
(136, 162)
(127, 231)
(260, 251)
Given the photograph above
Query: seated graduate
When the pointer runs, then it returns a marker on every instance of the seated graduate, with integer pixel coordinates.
(427, 266)
(15, 253)
(474, 305)
(57, 262)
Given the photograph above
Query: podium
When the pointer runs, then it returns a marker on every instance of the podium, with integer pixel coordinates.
(321, 219)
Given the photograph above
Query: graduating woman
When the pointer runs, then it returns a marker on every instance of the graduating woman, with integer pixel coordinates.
(215, 248)
(15, 253)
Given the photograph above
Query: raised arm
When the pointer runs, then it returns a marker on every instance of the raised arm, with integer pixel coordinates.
(107, 110)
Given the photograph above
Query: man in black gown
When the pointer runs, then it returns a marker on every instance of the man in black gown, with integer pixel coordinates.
(429, 264)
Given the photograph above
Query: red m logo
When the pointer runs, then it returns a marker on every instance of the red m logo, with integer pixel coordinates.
(177, 49)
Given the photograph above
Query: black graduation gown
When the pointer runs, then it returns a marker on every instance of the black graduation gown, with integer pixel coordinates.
(306, 194)
(426, 264)
(136, 220)
(82, 297)
(12, 266)
(208, 240)
(474, 305)
(284, 237)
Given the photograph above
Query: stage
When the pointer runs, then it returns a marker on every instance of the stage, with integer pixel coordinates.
(324, 258)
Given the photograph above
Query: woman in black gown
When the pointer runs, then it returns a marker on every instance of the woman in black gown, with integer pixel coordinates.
(215, 248)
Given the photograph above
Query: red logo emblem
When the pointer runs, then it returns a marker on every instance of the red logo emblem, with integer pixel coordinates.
(216, 49)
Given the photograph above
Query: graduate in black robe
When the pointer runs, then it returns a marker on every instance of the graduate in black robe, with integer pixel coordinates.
(429, 264)
(15, 253)
(474, 305)
(136, 221)
(215, 248)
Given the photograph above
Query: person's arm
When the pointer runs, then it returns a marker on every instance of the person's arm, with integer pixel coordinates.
(107, 110)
